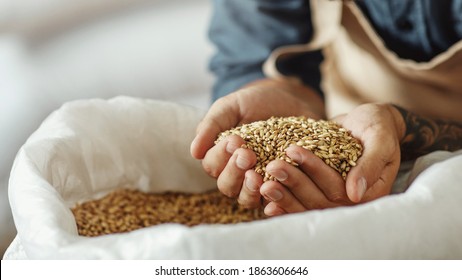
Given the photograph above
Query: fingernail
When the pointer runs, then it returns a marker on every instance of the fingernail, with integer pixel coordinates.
(280, 175)
(251, 185)
(271, 210)
(231, 147)
(242, 162)
(362, 187)
(295, 156)
(274, 195)
(192, 147)
(193, 142)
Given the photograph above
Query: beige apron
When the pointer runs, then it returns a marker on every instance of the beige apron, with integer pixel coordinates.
(358, 68)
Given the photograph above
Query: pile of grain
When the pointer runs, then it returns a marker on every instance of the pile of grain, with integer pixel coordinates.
(269, 140)
(125, 210)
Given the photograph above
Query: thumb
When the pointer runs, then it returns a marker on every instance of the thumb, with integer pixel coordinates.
(365, 174)
(222, 115)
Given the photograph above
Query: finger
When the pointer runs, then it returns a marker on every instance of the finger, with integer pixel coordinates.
(222, 115)
(250, 196)
(218, 156)
(379, 162)
(277, 194)
(299, 185)
(327, 179)
(230, 181)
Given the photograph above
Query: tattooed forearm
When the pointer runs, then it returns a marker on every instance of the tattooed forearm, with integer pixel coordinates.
(424, 135)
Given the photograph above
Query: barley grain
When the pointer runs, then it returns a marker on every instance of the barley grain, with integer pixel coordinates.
(125, 210)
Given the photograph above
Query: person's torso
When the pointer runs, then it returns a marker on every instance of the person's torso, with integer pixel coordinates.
(400, 52)
(415, 29)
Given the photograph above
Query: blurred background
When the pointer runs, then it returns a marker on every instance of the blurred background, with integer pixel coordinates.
(54, 51)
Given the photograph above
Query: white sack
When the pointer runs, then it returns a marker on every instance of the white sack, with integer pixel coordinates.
(88, 148)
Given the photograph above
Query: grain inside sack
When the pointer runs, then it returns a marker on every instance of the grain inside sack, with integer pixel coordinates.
(269, 140)
(125, 210)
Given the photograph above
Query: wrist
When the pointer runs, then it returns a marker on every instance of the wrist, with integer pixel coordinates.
(398, 114)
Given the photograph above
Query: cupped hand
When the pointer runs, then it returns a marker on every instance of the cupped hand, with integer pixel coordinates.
(227, 161)
(379, 127)
(311, 185)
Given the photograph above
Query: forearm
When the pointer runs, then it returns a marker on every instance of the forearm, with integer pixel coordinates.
(245, 33)
(424, 135)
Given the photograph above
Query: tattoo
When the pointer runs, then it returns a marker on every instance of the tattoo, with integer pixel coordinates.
(424, 135)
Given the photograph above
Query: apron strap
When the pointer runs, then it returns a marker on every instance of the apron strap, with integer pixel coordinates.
(325, 17)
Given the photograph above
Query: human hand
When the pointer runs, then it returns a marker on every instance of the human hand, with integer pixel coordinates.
(379, 127)
(226, 161)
